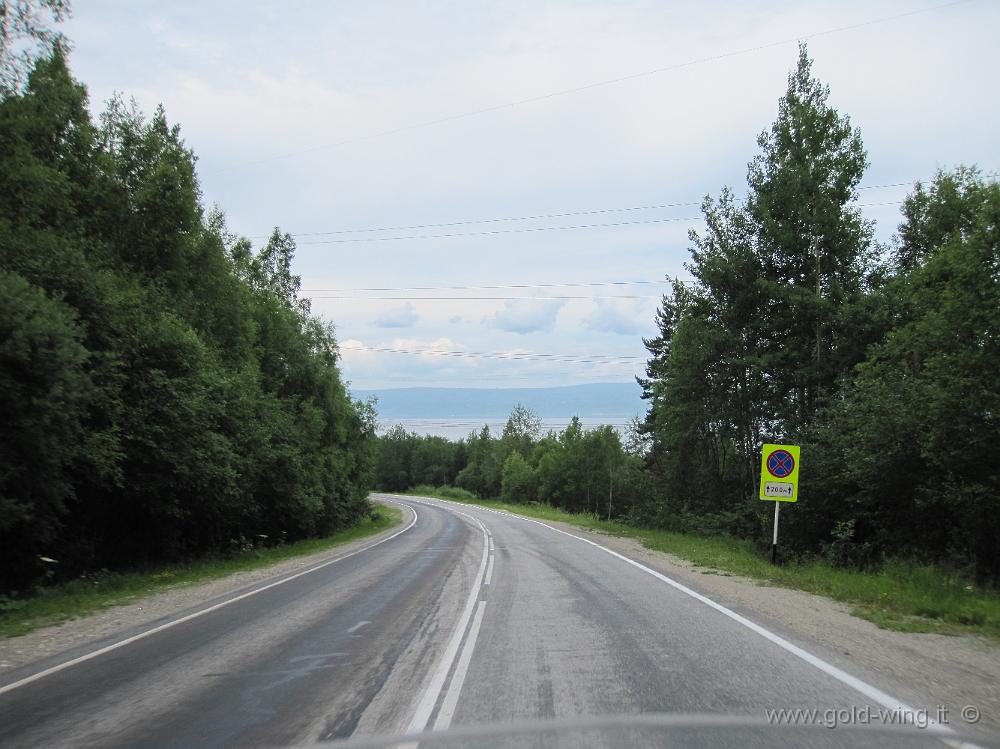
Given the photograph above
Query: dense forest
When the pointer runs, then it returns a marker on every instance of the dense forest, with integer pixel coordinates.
(796, 326)
(164, 391)
(575, 469)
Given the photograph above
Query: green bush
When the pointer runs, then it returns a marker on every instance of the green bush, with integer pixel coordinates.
(454, 492)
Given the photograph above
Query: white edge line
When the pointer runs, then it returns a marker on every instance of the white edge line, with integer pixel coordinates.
(142, 635)
(447, 710)
(428, 700)
(873, 693)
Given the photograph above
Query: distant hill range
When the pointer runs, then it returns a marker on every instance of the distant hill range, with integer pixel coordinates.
(593, 401)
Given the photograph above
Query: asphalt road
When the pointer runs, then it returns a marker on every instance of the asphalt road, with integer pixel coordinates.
(463, 620)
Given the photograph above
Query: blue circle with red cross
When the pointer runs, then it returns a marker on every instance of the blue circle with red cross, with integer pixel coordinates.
(780, 464)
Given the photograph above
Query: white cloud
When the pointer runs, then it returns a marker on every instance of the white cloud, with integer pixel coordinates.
(526, 316)
(323, 92)
(617, 317)
(399, 317)
(405, 361)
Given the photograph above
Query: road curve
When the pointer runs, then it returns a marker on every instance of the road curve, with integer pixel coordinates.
(466, 617)
(342, 649)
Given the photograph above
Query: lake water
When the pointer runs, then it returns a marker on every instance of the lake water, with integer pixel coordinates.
(455, 429)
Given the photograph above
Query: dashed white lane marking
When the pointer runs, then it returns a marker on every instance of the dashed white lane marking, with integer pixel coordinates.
(196, 614)
(944, 733)
(357, 626)
(489, 571)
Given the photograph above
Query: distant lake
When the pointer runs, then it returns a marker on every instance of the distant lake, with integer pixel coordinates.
(455, 429)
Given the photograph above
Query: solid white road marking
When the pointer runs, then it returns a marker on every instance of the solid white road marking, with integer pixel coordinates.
(196, 614)
(428, 700)
(873, 693)
(356, 627)
(447, 711)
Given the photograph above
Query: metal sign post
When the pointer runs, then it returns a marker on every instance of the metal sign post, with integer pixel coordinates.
(779, 481)
(774, 541)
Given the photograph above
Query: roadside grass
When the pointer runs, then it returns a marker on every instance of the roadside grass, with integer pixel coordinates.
(901, 596)
(101, 590)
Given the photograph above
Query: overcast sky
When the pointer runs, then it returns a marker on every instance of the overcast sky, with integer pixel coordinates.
(312, 117)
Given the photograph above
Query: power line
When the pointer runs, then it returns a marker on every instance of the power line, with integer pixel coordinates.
(495, 419)
(593, 85)
(541, 216)
(531, 229)
(474, 424)
(561, 297)
(568, 284)
(493, 232)
(505, 355)
(501, 220)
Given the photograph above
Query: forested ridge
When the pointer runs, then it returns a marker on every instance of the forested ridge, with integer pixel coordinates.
(165, 393)
(796, 326)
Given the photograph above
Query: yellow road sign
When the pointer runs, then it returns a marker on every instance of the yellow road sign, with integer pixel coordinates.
(779, 473)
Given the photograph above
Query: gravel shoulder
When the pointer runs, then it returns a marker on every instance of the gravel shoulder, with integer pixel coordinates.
(928, 670)
(47, 641)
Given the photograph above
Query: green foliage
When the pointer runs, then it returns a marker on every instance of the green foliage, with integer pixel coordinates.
(519, 480)
(915, 434)
(26, 36)
(575, 469)
(45, 390)
(520, 431)
(165, 391)
(453, 492)
(93, 591)
(407, 460)
(481, 473)
(813, 250)
(795, 330)
(444, 492)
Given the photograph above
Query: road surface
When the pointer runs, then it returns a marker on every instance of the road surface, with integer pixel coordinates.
(462, 619)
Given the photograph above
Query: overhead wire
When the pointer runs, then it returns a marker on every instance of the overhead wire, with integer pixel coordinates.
(542, 216)
(350, 293)
(475, 424)
(467, 222)
(503, 355)
(493, 232)
(531, 229)
(560, 297)
(593, 85)
(466, 287)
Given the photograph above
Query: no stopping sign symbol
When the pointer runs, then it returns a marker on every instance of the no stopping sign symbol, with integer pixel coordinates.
(779, 473)
(780, 464)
